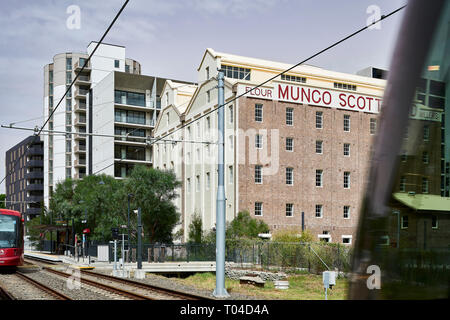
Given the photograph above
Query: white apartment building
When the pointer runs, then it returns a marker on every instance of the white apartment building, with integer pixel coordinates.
(299, 144)
(110, 97)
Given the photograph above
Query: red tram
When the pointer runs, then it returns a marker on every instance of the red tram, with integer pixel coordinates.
(11, 238)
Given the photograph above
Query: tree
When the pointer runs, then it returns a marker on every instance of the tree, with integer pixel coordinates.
(2, 201)
(154, 190)
(196, 229)
(101, 198)
(244, 226)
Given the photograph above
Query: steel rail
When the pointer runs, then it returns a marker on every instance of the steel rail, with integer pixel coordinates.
(102, 286)
(161, 290)
(43, 287)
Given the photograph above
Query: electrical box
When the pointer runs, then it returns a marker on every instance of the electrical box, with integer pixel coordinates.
(329, 279)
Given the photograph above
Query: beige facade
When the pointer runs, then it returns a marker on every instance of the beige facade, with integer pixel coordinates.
(273, 148)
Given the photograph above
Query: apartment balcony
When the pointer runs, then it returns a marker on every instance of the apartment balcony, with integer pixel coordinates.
(84, 80)
(80, 93)
(35, 151)
(127, 142)
(79, 136)
(80, 148)
(34, 175)
(33, 211)
(80, 106)
(145, 162)
(78, 66)
(35, 187)
(79, 175)
(34, 198)
(124, 104)
(80, 163)
(34, 163)
(148, 124)
(80, 120)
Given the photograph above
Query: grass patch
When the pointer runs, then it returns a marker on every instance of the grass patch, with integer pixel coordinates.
(301, 287)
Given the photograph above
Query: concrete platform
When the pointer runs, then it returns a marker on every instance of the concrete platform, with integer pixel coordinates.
(151, 267)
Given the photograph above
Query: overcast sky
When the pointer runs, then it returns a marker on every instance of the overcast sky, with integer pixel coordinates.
(169, 37)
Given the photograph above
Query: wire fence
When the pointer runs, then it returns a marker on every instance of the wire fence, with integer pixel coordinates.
(290, 257)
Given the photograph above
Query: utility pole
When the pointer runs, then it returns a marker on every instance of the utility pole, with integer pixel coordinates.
(220, 290)
(139, 238)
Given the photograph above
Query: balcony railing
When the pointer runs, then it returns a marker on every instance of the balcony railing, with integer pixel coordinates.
(34, 163)
(80, 120)
(34, 175)
(81, 93)
(34, 187)
(83, 79)
(80, 162)
(80, 148)
(80, 106)
(146, 123)
(79, 65)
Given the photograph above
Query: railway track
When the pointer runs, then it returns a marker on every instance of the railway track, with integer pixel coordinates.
(52, 292)
(5, 295)
(127, 288)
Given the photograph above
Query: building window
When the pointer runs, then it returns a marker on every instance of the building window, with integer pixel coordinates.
(68, 77)
(319, 211)
(207, 73)
(287, 77)
(434, 222)
(188, 182)
(346, 122)
(346, 212)
(258, 112)
(404, 222)
(236, 72)
(258, 209)
(258, 174)
(426, 133)
(344, 86)
(402, 185)
(424, 185)
(319, 119)
(208, 96)
(425, 157)
(258, 141)
(347, 149)
(116, 64)
(347, 239)
(319, 146)
(68, 64)
(290, 176)
(289, 116)
(289, 144)
(373, 126)
(230, 174)
(347, 180)
(289, 209)
(197, 180)
(230, 109)
(319, 175)
(130, 98)
(208, 180)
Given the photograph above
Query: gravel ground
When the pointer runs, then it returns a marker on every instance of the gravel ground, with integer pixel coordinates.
(81, 292)
(175, 285)
(22, 290)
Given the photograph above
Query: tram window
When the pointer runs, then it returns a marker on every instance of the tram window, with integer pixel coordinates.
(412, 248)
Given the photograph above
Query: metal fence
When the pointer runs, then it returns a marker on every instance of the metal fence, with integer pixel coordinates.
(312, 257)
